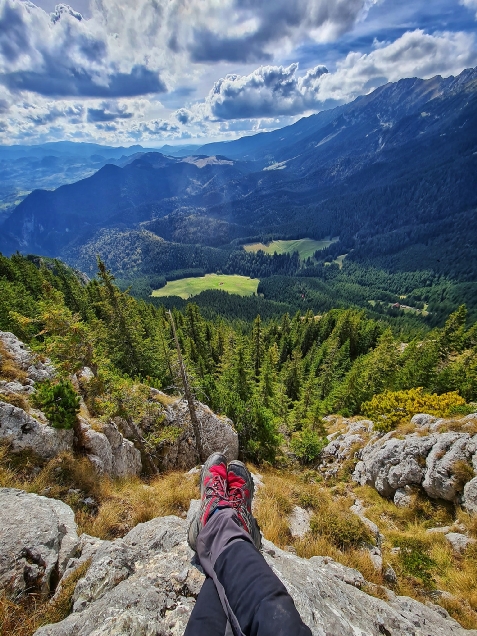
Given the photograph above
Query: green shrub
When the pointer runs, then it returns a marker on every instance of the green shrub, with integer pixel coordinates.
(415, 560)
(59, 403)
(307, 445)
(391, 407)
(342, 528)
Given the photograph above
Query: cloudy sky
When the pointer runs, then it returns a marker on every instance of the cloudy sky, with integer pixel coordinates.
(188, 71)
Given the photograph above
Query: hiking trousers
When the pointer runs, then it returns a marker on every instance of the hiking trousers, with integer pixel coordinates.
(241, 595)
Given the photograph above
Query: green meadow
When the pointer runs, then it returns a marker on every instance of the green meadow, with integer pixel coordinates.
(305, 247)
(187, 287)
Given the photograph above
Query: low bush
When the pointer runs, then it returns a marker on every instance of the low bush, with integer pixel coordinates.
(415, 560)
(344, 529)
(307, 445)
(389, 408)
(59, 402)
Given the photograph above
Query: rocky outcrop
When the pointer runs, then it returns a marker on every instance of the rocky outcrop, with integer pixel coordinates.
(299, 522)
(147, 583)
(433, 462)
(36, 370)
(37, 539)
(343, 445)
(218, 434)
(470, 494)
(109, 452)
(24, 432)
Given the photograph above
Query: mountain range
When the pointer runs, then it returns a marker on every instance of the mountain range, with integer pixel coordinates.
(393, 174)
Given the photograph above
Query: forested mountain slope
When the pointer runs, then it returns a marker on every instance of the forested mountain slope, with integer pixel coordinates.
(392, 174)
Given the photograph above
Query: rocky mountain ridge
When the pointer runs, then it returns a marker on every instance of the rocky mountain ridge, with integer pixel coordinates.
(147, 582)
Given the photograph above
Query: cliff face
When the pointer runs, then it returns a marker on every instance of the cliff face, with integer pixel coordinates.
(147, 582)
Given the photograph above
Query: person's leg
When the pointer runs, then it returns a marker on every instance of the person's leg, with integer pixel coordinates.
(207, 618)
(254, 598)
(256, 595)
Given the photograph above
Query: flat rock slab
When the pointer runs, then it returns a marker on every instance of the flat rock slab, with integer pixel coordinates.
(146, 584)
(299, 522)
(37, 539)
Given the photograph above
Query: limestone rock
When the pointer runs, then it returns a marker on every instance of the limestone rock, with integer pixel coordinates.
(109, 452)
(390, 464)
(341, 572)
(24, 432)
(459, 542)
(422, 420)
(403, 497)
(37, 539)
(439, 530)
(218, 434)
(146, 584)
(36, 370)
(470, 495)
(299, 522)
(440, 481)
(376, 557)
(390, 575)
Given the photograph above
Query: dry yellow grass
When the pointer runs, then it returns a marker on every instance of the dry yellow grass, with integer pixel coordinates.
(23, 619)
(121, 504)
(9, 370)
(128, 502)
(424, 562)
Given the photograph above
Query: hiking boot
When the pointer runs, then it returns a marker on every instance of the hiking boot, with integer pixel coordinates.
(213, 493)
(241, 489)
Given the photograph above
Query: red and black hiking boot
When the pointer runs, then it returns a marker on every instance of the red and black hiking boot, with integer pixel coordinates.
(241, 489)
(213, 493)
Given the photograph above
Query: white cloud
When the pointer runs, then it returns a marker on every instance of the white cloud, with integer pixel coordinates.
(272, 91)
(64, 76)
(472, 4)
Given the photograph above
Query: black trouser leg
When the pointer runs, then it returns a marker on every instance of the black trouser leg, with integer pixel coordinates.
(256, 595)
(208, 617)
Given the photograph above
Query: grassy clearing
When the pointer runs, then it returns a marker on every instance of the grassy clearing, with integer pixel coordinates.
(424, 562)
(305, 247)
(187, 287)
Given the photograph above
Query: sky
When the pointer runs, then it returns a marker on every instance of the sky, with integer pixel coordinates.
(155, 72)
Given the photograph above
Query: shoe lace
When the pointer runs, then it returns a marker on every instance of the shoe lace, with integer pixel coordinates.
(216, 487)
(237, 498)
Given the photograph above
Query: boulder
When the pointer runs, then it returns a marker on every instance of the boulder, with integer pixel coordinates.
(218, 434)
(403, 497)
(24, 432)
(391, 465)
(458, 541)
(421, 420)
(109, 452)
(470, 495)
(23, 357)
(147, 583)
(37, 539)
(439, 481)
(299, 522)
